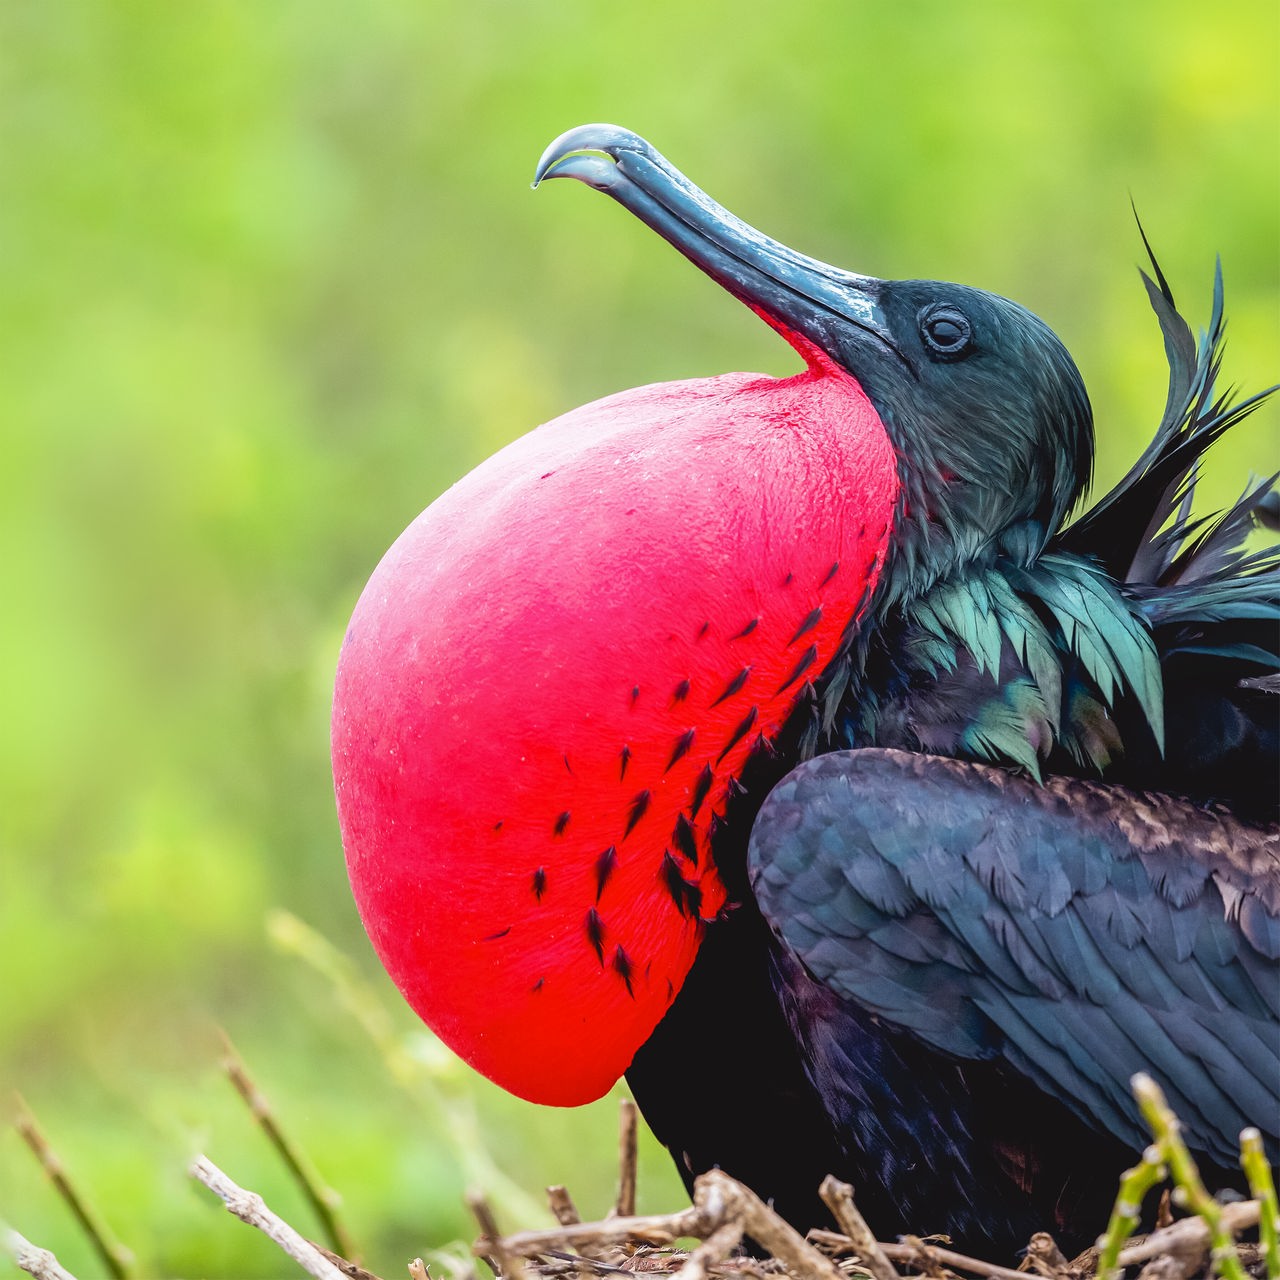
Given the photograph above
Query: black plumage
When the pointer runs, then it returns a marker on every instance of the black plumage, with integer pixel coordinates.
(1066, 934)
(1140, 928)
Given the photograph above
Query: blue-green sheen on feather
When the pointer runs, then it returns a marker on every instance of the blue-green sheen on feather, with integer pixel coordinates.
(1014, 726)
(1103, 628)
(1044, 647)
(1023, 626)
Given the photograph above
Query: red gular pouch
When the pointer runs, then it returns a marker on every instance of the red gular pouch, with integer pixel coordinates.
(550, 681)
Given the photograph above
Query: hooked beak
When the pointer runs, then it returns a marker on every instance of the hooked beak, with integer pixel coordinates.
(797, 295)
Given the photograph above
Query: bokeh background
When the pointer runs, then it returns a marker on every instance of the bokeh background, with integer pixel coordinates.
(271, 277)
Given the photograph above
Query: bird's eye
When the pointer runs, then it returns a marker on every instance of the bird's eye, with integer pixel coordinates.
(946, 332)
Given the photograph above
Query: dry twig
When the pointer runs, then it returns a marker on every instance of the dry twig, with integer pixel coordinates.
(838, 1197)
(919, 1251)
(1189, 1233)
(115, 1257)
(33, 1260)
(250, 1208)
(562, 1207)
(435, 1084)
(322, 1199)
(1045, 1258)
(930, 1257)
(723, 1197)
(654, 1229)
(723, 1212)
(625, 1205)
(491, 1246)
(353, 1270)
(718, 1245)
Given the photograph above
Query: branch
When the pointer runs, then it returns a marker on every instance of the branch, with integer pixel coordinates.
(715, 1248)
(625, 1206)
(324, 1200)
(655, 1229)
(723, 1212)
(491, 1246)
(838, 1197)
(1188, 1233)
(34, 1260)
(949, 1258)
(115, 1257)
(562, 1207)
(719, 1196)
(917, 1252)
(1045, 1258)
(250, 1208)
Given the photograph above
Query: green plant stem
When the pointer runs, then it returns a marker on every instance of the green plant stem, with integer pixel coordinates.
(452, 1108)
(1134, 1185)
(1164, 1125)
(323, 1199)
(1263, 1189)
(118, 1260)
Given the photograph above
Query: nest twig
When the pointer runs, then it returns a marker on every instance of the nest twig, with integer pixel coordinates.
(703, 1241)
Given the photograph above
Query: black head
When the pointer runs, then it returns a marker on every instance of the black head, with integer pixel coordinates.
(987, 410)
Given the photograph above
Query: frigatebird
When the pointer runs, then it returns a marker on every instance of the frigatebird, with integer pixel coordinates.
(780, 743)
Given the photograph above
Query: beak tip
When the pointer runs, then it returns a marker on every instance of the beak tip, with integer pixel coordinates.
(594, 145)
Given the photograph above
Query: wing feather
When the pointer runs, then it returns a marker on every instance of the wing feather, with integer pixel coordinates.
(1078, 931)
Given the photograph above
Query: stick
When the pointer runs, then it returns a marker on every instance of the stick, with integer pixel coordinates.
(1045, 1257)
(838, 1197)
(562, 1206)
(625, 1206)
(912, 1253)
(719, 1197)
(715, 1248)
(34, 1260)
(250, 1208)
(721, 1207)
(1189, 1233)
(115, 1257)
(324, 1200)
(352, 1270)
(491, 1246)
(948, 1258)
(656, 1229)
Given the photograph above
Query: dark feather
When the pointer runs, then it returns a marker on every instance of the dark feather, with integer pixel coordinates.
(1042, 976)
(1121, 530)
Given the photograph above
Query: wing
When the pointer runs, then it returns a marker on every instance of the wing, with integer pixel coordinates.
(1075, 932)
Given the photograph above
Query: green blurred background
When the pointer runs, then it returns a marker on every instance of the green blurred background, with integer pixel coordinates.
(271, 277)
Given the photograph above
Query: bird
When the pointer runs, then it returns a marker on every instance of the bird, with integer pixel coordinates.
(788, 746)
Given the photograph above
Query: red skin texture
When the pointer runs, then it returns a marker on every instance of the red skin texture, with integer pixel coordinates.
(486, 689)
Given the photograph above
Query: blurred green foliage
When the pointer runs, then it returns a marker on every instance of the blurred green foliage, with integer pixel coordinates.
(271, 277)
